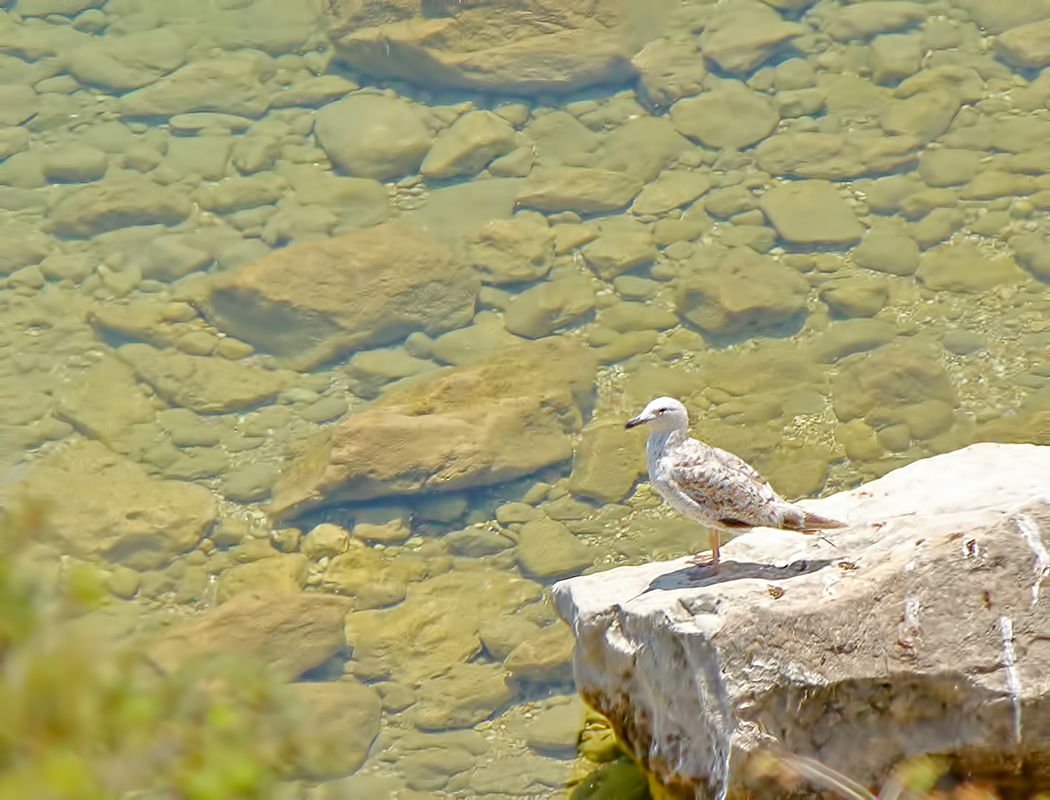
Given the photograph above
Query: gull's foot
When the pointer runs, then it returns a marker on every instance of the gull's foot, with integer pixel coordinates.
(704, 560)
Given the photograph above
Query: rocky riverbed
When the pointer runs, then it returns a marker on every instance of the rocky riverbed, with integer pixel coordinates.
(319, 320)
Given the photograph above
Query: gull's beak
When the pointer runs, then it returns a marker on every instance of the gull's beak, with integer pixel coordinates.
(634, 422)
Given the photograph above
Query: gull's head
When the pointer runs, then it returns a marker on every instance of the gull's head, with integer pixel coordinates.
(662, 414)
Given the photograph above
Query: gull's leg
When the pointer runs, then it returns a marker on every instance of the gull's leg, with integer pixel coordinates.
(705, 559)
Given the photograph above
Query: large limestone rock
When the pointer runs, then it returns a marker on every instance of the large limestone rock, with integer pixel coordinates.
(921, 630)
(497, 419)
(529, 46)
(97, 503)
(310, 301)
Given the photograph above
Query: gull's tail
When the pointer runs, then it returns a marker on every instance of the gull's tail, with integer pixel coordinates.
(798, 519)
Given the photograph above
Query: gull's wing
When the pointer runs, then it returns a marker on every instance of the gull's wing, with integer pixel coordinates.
(723, 485)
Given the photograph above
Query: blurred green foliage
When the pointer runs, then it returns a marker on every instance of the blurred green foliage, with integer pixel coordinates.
(83, 720)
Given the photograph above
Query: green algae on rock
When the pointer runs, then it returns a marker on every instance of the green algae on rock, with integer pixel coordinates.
(499, 418)
(308, 302)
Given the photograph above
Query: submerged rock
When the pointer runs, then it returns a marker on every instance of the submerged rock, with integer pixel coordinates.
(310, 301)
(743, 34)
(530, 46)
(232, 84)
(587, 191)
(372, 136)
(916, 633)
(290, 632)
(97, 503)
(336, 733)
(499, 418)
(119, 201)
(437, 626)
(204, 383)
(811, 213)
(744, 288)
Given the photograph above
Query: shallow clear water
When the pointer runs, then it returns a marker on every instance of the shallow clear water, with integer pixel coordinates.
(266, 266)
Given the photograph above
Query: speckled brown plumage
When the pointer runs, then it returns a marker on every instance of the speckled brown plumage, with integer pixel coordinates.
(718, 489)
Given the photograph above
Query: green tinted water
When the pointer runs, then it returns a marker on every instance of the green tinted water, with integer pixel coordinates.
(281, 280)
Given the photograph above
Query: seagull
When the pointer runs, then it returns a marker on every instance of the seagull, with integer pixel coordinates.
(719, 490)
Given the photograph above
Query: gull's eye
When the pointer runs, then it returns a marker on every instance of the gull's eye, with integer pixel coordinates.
(662, 410)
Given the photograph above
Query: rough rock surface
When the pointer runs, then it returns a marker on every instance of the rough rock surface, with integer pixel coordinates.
(116, 202)
(811, 212)
(497, 419)
(231, 84)
(921, 630)
(100, 504)
(291, 632)
(204, 383)
(372, 136)
(341, 722)
(530, 46)
(588, 191)
(743, 34)
(309, 301)
(745, 288)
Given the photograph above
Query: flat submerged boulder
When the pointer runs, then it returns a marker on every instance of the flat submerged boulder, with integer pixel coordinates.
(920, 630)
(500, 418)
(530, 46)
(308, 302)
(100, 504)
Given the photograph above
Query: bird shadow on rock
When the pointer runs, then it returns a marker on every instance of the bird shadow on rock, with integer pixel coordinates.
(697, 576)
